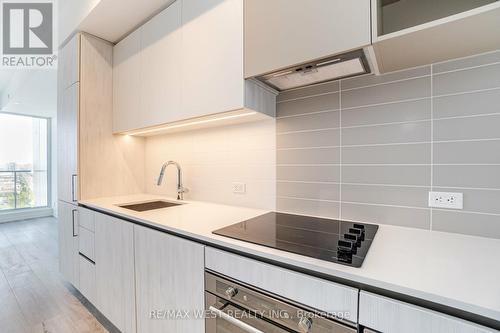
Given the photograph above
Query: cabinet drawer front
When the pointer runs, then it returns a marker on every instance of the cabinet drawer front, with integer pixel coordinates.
(313, 292)
(86, 240)
(86, 218)
(390, 316)
(87, 279)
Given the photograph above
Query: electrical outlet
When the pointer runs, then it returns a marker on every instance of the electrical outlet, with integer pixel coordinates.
(446, 200)
(239, 188)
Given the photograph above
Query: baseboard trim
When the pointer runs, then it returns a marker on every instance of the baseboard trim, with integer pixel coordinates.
(25, 214)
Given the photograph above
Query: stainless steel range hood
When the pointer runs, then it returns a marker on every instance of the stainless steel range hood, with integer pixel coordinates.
(333, 68)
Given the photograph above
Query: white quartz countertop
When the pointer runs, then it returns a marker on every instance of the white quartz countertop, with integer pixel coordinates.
(454, 270)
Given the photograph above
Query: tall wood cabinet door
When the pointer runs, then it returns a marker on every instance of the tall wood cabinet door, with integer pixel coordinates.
(127, 112)
(114, 271)
(69, 63)
(68, 242)
(169, 276)
(282, 33)
(160, 67)
(67, 132)
(212, 56)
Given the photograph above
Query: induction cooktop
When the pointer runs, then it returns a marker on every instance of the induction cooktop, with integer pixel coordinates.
(336, 241)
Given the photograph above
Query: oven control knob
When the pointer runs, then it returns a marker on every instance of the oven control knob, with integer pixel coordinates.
(231, 292)
(305, 325)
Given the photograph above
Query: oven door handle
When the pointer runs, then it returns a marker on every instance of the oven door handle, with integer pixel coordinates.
(234, 321)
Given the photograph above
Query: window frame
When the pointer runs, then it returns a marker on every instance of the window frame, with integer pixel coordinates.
(49, 164)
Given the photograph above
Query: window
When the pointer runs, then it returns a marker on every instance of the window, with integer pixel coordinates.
(24, 162)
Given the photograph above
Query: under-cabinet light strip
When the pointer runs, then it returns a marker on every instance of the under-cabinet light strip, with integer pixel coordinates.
(191, 123)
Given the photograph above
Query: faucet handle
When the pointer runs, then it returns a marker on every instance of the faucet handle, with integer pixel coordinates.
(180, 192)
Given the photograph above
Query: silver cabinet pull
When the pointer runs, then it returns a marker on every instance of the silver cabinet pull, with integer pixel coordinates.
(73, 188)
(234, 321)
(73, 221)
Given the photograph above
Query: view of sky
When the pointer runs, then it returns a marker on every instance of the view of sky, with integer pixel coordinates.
(16, 139)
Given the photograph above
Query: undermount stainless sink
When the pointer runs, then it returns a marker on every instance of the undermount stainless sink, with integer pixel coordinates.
(150, 205)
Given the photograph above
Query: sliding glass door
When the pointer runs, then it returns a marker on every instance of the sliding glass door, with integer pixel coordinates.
(24, 162)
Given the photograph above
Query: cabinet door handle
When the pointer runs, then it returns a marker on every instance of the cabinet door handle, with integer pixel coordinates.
(73, 221)
(73, 188)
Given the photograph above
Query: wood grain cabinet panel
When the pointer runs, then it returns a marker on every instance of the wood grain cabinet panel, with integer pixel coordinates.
(68, 242)
(169, 276)
(86, 218)
(86, 243)
(69, 63)
(109, 165)
(390, 316)
(114, 258)
(67, 146)
(87, 279)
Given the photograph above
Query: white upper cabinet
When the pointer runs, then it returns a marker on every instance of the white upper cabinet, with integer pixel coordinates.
(127, 83)
(212, 56)
(147, 73)
(161, 67)
(283, 33)
(417, 32)
(186, 62)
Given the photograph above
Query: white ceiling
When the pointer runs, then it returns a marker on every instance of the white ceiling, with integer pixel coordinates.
(112, 20)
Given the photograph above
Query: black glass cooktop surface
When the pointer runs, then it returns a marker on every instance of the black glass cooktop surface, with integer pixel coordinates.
(332, 240)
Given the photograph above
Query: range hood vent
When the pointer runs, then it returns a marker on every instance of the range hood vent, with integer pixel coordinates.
(324, 70)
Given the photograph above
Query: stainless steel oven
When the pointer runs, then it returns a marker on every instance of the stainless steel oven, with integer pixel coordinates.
(233, 307)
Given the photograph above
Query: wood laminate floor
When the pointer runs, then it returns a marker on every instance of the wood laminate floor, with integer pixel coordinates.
(33, 295)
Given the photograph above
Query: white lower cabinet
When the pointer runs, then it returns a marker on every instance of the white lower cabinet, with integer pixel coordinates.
(114, 271)
(169, 279)
(390, 316)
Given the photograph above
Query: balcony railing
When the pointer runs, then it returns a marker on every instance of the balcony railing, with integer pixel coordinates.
(20, 189)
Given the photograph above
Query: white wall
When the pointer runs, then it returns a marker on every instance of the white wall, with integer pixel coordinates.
(214, 158)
